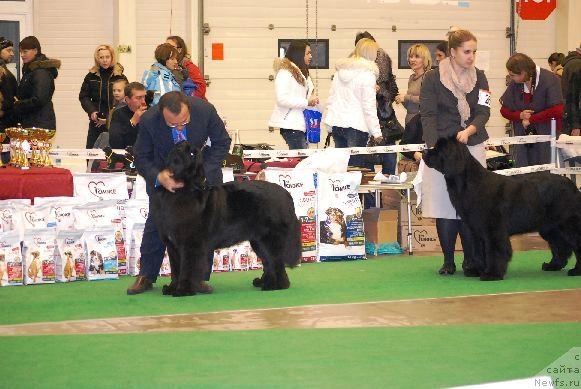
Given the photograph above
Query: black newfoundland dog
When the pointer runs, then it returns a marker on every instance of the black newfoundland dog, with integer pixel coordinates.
(494, 207)
(196, 220)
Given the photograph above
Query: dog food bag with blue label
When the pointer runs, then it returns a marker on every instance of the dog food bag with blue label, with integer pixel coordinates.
(101, 253)
(301, 185)
(340, 222)
(11, 266)
(135, 248)
(39, 256)
(71, 261)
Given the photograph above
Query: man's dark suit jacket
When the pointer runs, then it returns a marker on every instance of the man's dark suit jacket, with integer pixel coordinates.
(155, 140)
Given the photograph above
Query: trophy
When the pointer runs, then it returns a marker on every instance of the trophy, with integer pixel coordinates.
(25, 135)
(13, 133)
(2, 137)
(45, 135)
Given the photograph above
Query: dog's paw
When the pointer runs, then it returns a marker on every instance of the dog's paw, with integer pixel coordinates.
(472, 272)
(183, 290)
(283, 282)
(552, 266)
(257, 282)
(167, 290)
(576, 271)
(269, 283)
(491, 277)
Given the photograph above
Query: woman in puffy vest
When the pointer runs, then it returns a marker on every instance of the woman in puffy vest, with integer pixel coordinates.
(159, 78)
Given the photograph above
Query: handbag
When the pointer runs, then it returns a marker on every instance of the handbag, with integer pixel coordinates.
(312, 125)
(391, 130)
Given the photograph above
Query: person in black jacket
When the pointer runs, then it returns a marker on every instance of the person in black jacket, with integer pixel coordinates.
(96, 95)
(125, 120)
(33, 104)
(8, 87)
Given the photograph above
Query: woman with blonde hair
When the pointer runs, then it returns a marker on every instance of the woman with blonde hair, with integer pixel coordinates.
(454, 101)
(96, 95)
(351, 107)
(420, 61)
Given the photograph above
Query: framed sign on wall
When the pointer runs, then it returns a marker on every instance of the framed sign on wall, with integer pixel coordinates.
(319, 48)
(404, 45)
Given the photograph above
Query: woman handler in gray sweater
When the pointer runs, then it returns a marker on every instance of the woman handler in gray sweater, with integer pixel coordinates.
(454, 100)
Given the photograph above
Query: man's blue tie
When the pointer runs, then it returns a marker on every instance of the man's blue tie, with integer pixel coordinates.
(181, 137)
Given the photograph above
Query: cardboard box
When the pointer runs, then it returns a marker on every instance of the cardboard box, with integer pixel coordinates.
(390, 199)
(424, 238)
(417, 219)
(380, 225)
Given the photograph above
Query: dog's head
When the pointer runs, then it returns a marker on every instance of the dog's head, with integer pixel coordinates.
(185, 162)
(448, 156)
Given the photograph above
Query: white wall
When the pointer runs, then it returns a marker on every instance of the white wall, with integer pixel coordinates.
(240, 88)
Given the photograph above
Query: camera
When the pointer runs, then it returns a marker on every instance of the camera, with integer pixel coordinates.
(531, 130)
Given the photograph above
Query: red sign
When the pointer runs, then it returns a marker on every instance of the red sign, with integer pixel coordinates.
(535, 9)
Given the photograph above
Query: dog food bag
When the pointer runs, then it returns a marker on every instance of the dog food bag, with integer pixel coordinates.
(136, 212)
(340, 223)
(101, 253)
(134, 248)
(71, 259)
(36, 217)
(96, 214)
(38, 252)
(11, 266)
(100, 186)
(61, 211)
(165, 269)
(139, 191)
(238, 255)
(221, 260)
(300, 184)
(11, 218)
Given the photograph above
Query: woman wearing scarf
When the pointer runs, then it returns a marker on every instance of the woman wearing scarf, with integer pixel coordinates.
(454, 101)
(530, 101)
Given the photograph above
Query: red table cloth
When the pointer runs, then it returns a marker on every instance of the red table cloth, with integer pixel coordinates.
(35, 182)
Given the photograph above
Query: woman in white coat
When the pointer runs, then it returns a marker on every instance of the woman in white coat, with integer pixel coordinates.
(294, 90)
(351, 108)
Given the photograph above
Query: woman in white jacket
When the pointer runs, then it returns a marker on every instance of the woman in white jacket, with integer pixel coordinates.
(294, 90)
(351, 108)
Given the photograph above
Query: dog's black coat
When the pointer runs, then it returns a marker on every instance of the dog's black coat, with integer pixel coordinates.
(495, 206)
(195, 220)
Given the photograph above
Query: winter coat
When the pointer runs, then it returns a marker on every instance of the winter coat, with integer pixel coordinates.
(160, 80)
(571, 86)
(439, 110)
(352, 101)
(91, 96)
(8, 87)
(292, 96)
(34, 105)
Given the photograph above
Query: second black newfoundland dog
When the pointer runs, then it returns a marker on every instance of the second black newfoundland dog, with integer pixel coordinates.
(494, 207)
(196, 220)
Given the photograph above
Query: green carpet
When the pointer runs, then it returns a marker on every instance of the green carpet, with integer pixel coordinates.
(421, 357)
(385, 278)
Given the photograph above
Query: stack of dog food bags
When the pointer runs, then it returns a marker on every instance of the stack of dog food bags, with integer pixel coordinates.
(300, 184)
(11, 266)
(340, 223)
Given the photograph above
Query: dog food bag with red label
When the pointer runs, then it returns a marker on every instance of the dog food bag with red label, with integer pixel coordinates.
(136, 212)
(238, 255)
(11, 266)
(300, 184)
(340, 222)
(101, 253)
(39, 254)
(71, 261)
(135, 248)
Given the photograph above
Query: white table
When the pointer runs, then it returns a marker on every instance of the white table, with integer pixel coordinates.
(402, 187)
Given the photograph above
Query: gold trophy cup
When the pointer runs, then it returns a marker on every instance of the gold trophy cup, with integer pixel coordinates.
(2, 137)
(13, 134)
(26, 136)
(45, 135)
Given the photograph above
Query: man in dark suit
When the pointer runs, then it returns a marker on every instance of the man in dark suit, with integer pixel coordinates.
(177, 117)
